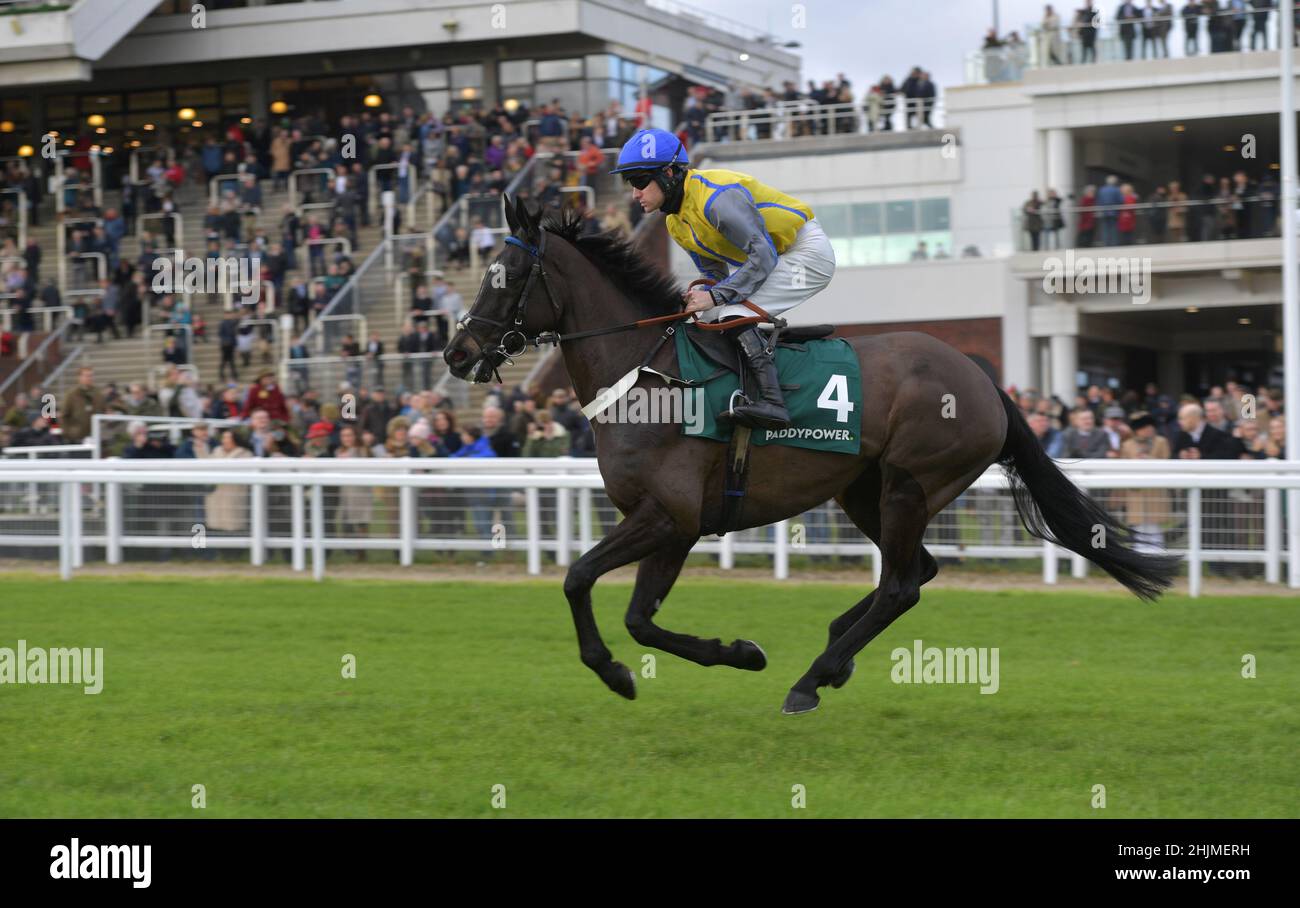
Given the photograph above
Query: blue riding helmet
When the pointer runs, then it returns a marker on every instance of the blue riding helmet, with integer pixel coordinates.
(651, 149)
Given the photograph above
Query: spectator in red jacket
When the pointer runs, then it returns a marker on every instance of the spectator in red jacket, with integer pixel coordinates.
(1127, 221)
(265, 395)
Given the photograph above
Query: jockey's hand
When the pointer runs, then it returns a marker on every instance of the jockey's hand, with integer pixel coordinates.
(698, 300)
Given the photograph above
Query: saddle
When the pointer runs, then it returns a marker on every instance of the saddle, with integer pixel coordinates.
(722, 352)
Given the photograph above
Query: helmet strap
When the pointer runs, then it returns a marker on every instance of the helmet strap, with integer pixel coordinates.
(673, 189)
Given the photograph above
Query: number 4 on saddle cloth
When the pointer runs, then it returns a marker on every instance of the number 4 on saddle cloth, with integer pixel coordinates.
(820, 379)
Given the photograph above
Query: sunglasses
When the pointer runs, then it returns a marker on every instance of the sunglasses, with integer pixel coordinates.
(639, 179)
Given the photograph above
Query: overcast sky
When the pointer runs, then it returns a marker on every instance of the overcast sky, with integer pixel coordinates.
(865, 39)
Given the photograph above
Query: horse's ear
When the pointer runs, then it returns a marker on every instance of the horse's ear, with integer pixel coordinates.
(529, 220)
(512, 220)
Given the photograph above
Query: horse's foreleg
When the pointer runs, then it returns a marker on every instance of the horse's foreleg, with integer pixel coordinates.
(655, 577)
(644, 531)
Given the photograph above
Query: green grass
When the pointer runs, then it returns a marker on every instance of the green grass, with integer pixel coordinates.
(236, 684)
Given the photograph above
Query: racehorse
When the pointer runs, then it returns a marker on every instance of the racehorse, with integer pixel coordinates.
(931, 423)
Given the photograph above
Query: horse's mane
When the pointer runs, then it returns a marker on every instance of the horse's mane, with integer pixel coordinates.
(612, 253)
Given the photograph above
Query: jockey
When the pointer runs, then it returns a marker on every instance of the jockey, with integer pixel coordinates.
(756, 242)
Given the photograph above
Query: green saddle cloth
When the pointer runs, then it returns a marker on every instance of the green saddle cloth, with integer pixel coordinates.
(821, 382)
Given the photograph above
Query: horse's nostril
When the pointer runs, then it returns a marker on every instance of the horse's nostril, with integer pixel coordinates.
(458, 356)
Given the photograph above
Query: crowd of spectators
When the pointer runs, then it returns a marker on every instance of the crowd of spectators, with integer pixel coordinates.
(915, 98)
(1220, 208)
(1142, 30)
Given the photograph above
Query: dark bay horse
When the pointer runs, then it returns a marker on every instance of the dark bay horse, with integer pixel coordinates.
(932, 422)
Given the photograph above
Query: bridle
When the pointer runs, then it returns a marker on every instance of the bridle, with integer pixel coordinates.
(506, 349)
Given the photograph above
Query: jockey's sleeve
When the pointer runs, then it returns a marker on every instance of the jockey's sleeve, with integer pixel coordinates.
(734, 214)
(710, 268)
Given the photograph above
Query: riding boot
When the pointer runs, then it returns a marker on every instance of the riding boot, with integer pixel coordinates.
(768, 412)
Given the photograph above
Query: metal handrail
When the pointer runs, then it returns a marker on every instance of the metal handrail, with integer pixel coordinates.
(37, 355)
(293, 182)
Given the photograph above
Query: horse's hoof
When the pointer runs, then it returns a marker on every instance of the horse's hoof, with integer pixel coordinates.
(797, 702)
(619, 678)
(842, 678)
(749, 656)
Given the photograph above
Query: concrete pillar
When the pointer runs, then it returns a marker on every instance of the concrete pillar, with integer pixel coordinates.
(1043, 380)
(1060, 161)
(1060, 175)
(1017, 356)
(259, 101)
(1169, 372)
(1065, 364)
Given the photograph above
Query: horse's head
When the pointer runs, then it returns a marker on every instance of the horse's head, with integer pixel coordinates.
(513, 303)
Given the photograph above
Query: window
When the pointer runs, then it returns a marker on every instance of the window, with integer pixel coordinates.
(552, 70)
(900, 217)
(469, 75)
(515, 72)
(878, 233)
(934, 214)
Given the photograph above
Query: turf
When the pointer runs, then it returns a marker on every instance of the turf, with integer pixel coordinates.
(236, 685)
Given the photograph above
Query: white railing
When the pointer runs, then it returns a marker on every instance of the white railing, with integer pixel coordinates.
(807, 119)
(563, 479)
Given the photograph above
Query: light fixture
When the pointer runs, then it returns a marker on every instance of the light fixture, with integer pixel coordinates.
(1243, 321)
(148, 127)
(279, 107)
(1192, 310)
(95, 120)
(373, 100)
(1229, 147)
(68, 143)
(186, 113)
(468, 94)
(511, 105)
(197, 124)
(1180, 128)
(6, 125)
(246, 120)
(744, 58)
(26, 151)
(100, 131)
(108, 150)
(1274, 166)
(94, 149)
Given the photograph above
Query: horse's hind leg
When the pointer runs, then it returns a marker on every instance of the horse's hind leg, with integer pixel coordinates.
(654, 578)
(903, 517)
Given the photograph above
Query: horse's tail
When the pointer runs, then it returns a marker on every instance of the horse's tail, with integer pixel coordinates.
(1055, 509)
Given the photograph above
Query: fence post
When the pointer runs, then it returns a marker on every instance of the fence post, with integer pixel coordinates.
(257, 516)
(781, 553)
(534, 531)
(563, 526)
(406, 524)
(317, 533)
(297, 498)
(1078, 566)
(877, 564)
(65, 535)
(1272, 535)
(584, 520)
(78, 544)
(1049, 562)
(1194, 542)
(726, 553)
(113, 522)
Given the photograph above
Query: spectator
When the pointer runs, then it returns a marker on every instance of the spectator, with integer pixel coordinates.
(1146, 510)
(1083, 439)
